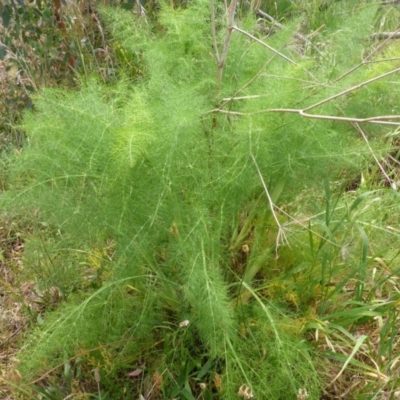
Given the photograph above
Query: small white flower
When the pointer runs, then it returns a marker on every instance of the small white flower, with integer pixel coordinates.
(184, 323)
(302, 394)
(245, 392)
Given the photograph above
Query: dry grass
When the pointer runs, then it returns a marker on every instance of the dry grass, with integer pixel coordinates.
(16, 297)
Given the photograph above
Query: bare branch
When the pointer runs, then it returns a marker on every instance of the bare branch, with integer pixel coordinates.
(264, 44)
(386, 2)
(280, 26)
(272, 49)
(263, 14)
(385, 35)
(365, 59)
(360, 85)
(218, 110)
(383, 60)
(221, 61)
(213, 30)
(380, 120)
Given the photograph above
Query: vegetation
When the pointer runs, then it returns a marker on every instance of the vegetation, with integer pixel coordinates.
(208, 212)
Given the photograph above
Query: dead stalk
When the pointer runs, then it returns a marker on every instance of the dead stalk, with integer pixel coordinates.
(365, 61)
(221, 60)
(380, 120)
(264, 44)
(359, 86)
(214, 30)
(385, 35)
(272, 49)
(218, 110)
(299, 36)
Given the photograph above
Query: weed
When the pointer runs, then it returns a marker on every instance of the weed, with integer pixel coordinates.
(194, 225)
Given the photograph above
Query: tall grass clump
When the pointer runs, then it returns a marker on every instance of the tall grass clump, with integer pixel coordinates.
(157, 200)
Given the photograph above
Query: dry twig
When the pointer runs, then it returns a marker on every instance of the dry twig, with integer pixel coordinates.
(221, 60)
(385, 35)
(280, 26)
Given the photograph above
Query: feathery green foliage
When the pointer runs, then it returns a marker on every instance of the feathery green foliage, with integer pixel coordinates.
(151, 191)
